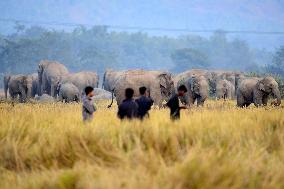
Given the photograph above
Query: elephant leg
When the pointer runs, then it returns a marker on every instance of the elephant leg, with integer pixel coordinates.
(257, 101)
(6, 91)
(60, 98)
(21, 99)
(13, 96)
(247, 104)
(200, 102)
(241, 102)
(52, 90)
(265, 100)
(77, 99)
(43, 87)
(190, 102)
(193, 101)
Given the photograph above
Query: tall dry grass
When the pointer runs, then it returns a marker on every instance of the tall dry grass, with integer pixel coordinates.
(218, 146)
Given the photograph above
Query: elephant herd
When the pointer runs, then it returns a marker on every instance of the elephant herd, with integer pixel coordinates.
(201, 84)
(52, 79)
(55, 80)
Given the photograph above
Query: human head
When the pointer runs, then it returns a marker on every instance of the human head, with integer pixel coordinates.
(129, 93)
(142, 90)
(182, 90)
(89, 91)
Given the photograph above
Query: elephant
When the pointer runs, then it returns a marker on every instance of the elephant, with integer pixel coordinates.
(159, 84)
(198, 89)
(35, 85)
(101, 94)
(20, 85)
(257, 91)
(225, 89)
(7, 79)
(81, 80)
(49, 75)
(214, 76)
(68, 92)
(45, 98)
(110, 78)
(188, 74)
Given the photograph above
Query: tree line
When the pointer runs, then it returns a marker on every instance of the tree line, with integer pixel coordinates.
(98, 48)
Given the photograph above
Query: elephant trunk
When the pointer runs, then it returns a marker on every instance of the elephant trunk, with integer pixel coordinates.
(29, 91)
(112, 98)
(277, 95)
(40, 87)
(6, 85)
(6, 90)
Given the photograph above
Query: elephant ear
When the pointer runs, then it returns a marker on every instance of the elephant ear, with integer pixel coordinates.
(193, 82)
(164, 83)
(261, 86)
(190, 83)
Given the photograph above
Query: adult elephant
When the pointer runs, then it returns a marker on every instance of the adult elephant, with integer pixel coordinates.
(257, 91)
(49, 75)
(188, 74)
(68, 92)
(20, 85)
(81, 80)
(35, 84)
(216, 75)
(225, 89)
(7, 79)
(110, 77)
(159, 84)
(198, 89)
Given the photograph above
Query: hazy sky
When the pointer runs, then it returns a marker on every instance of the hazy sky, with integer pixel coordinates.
(264, 15)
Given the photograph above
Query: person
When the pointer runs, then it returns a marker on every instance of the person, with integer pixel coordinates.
(128, 108)
(175, 104)
(144, 103)
(88, 104)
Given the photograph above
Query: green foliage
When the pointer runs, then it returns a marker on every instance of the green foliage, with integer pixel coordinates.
(98, 48)
(280, 82)
(277, 66)
(188, 58)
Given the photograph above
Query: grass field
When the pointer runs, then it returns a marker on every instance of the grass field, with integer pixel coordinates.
(217, 146)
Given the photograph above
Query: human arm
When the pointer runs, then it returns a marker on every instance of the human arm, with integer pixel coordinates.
(169, 103)
(89, 106)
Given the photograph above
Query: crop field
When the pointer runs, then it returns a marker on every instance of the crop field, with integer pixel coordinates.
(217, 146)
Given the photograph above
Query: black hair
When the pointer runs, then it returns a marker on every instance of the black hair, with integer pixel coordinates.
(88, 90)
(129, 93)
(142, 90)
(182, 88)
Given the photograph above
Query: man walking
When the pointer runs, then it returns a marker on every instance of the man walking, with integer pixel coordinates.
(88, 107)
(128, 108)
(144, 103)
(175, 104)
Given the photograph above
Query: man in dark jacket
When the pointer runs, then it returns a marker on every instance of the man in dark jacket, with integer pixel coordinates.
(144, 103)
(175, 104)
(128, 108)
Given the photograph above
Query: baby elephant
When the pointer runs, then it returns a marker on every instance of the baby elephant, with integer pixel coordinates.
(257, 91)
(68, 92)
(225, 89)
